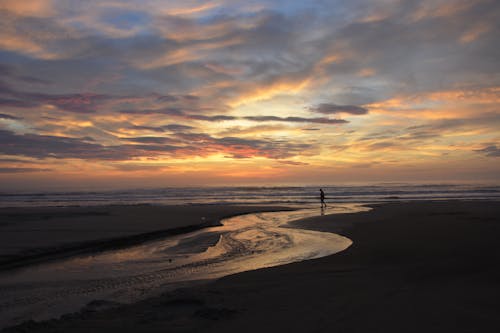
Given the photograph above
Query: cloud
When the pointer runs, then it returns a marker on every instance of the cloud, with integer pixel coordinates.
(274, 149)
(23, 170)
(178, 112)
(28, 8)
(139, 167)
(490, 151)
(209, 118)
(87, 102)
(381, 145)
(8, 116)
(45, 146)
(177, 127)
(151, 139)
(215, 118)
(292, 162)
(77, 102)
(327, 108)
(161, 129)
(297, 119)
(12, 74)
(160, 79)
(180, 145)
(146, 128)
(173, 111)
(16, 103)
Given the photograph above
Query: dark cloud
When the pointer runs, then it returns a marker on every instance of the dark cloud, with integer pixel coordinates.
(45, 146)
(176, 98)
(139, 167)
(244, 148)
(381, 145)
(293, 163)
(172, 111)
(275, 149)
(13, 160)
(420, 135)
(182, 144)
(79, 103)
(16, 103)
(93, 102)
(191, 97)
(209, 118)
(436, 128)
(147, 128)
(13, 74)
(195, 137)
(177, 127)
(164, 128)
(179, 112)
(327, 108)
(490, 151)
(9, 117)
(22, 170)
(150, 139)
(167, 98)
(297, 119)
(363, 165)
(215, 118)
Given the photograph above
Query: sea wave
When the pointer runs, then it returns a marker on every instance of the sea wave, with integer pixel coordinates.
(253, 195)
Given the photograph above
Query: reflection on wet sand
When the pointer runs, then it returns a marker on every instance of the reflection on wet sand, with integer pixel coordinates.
(243, 243)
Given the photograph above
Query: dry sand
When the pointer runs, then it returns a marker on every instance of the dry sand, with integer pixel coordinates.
(413, 267)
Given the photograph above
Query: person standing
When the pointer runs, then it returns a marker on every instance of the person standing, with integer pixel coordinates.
(322, 197)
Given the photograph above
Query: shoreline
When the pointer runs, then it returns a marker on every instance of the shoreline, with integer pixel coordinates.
(429, 266)
(92, 247)
(40, 255)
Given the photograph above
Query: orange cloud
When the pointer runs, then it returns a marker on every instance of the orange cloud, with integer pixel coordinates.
(256, 92)
(23, 44)
(439, 104)
(191, 10)
(432, 8)
(366, 72)
(218, 68)
(38, 8)
(475, 32)
(187, 54)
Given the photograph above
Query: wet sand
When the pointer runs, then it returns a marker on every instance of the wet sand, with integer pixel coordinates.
(244, 242)
(32, 235)
(413, 267)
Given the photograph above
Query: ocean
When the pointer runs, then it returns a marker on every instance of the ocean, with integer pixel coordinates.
(296, 195)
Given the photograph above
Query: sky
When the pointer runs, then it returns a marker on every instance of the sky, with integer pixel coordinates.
(126, 94)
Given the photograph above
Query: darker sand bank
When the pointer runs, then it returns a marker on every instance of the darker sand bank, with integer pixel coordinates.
(413, 267)
(33, 235)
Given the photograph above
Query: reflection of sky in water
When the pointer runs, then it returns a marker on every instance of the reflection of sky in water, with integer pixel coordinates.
(243, 243)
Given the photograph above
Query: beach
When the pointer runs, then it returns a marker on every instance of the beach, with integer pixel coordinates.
(37, 234)
(412, 267)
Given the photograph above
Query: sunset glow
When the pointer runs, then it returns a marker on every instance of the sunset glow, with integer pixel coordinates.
(107, 94)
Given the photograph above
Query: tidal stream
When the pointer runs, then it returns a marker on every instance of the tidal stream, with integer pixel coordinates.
(243, 243)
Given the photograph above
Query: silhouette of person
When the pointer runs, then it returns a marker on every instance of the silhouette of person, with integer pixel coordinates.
(322, 197)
